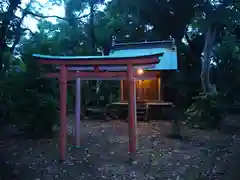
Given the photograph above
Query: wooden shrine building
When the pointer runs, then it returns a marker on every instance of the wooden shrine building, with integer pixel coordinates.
(151, 94)
(149, 79)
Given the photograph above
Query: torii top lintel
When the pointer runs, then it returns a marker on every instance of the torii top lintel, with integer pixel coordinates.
(99, 60)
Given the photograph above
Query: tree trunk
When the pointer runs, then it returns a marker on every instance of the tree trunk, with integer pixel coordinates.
(4, 30)
(208, 87)
(91, 25)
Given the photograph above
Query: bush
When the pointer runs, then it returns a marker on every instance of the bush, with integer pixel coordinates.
(30, 103)
(206, 111)
(34, 113)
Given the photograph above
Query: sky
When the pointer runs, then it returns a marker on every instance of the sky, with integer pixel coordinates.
(48, 10)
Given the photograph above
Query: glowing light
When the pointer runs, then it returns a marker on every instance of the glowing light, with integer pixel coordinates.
(140, 71)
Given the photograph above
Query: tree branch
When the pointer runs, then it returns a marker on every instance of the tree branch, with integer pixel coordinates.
(58, 17)
(42, 16)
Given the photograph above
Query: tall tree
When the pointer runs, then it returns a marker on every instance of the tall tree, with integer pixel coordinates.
(7, 18)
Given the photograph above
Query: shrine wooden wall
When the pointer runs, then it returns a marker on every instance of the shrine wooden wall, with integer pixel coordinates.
(146, 90)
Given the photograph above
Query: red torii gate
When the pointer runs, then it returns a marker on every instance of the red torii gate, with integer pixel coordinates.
(97, 61)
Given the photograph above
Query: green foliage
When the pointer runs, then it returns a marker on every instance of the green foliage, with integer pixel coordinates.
(206, 111)
(109, 92)
(29, 103)
(26, 99)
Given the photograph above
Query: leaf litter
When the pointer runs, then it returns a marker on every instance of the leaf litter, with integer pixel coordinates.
(103, 154)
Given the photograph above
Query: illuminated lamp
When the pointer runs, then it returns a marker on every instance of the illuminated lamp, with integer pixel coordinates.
(140, 71)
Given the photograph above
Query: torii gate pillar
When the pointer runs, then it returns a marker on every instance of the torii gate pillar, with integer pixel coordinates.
(78, 111)
(132, 114)
(63, 111)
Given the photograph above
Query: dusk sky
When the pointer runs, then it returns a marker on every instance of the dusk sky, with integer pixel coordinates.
(48, 10)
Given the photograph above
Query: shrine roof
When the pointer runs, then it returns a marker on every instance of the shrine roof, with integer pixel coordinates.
(168, 60)
(112, 57)
(145, 44)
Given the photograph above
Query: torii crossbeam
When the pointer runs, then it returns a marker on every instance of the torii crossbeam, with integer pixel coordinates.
(97, 62)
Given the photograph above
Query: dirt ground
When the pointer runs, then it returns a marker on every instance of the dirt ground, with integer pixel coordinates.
(200, 155)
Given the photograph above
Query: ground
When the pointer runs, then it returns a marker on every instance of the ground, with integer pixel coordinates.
(200, 155)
